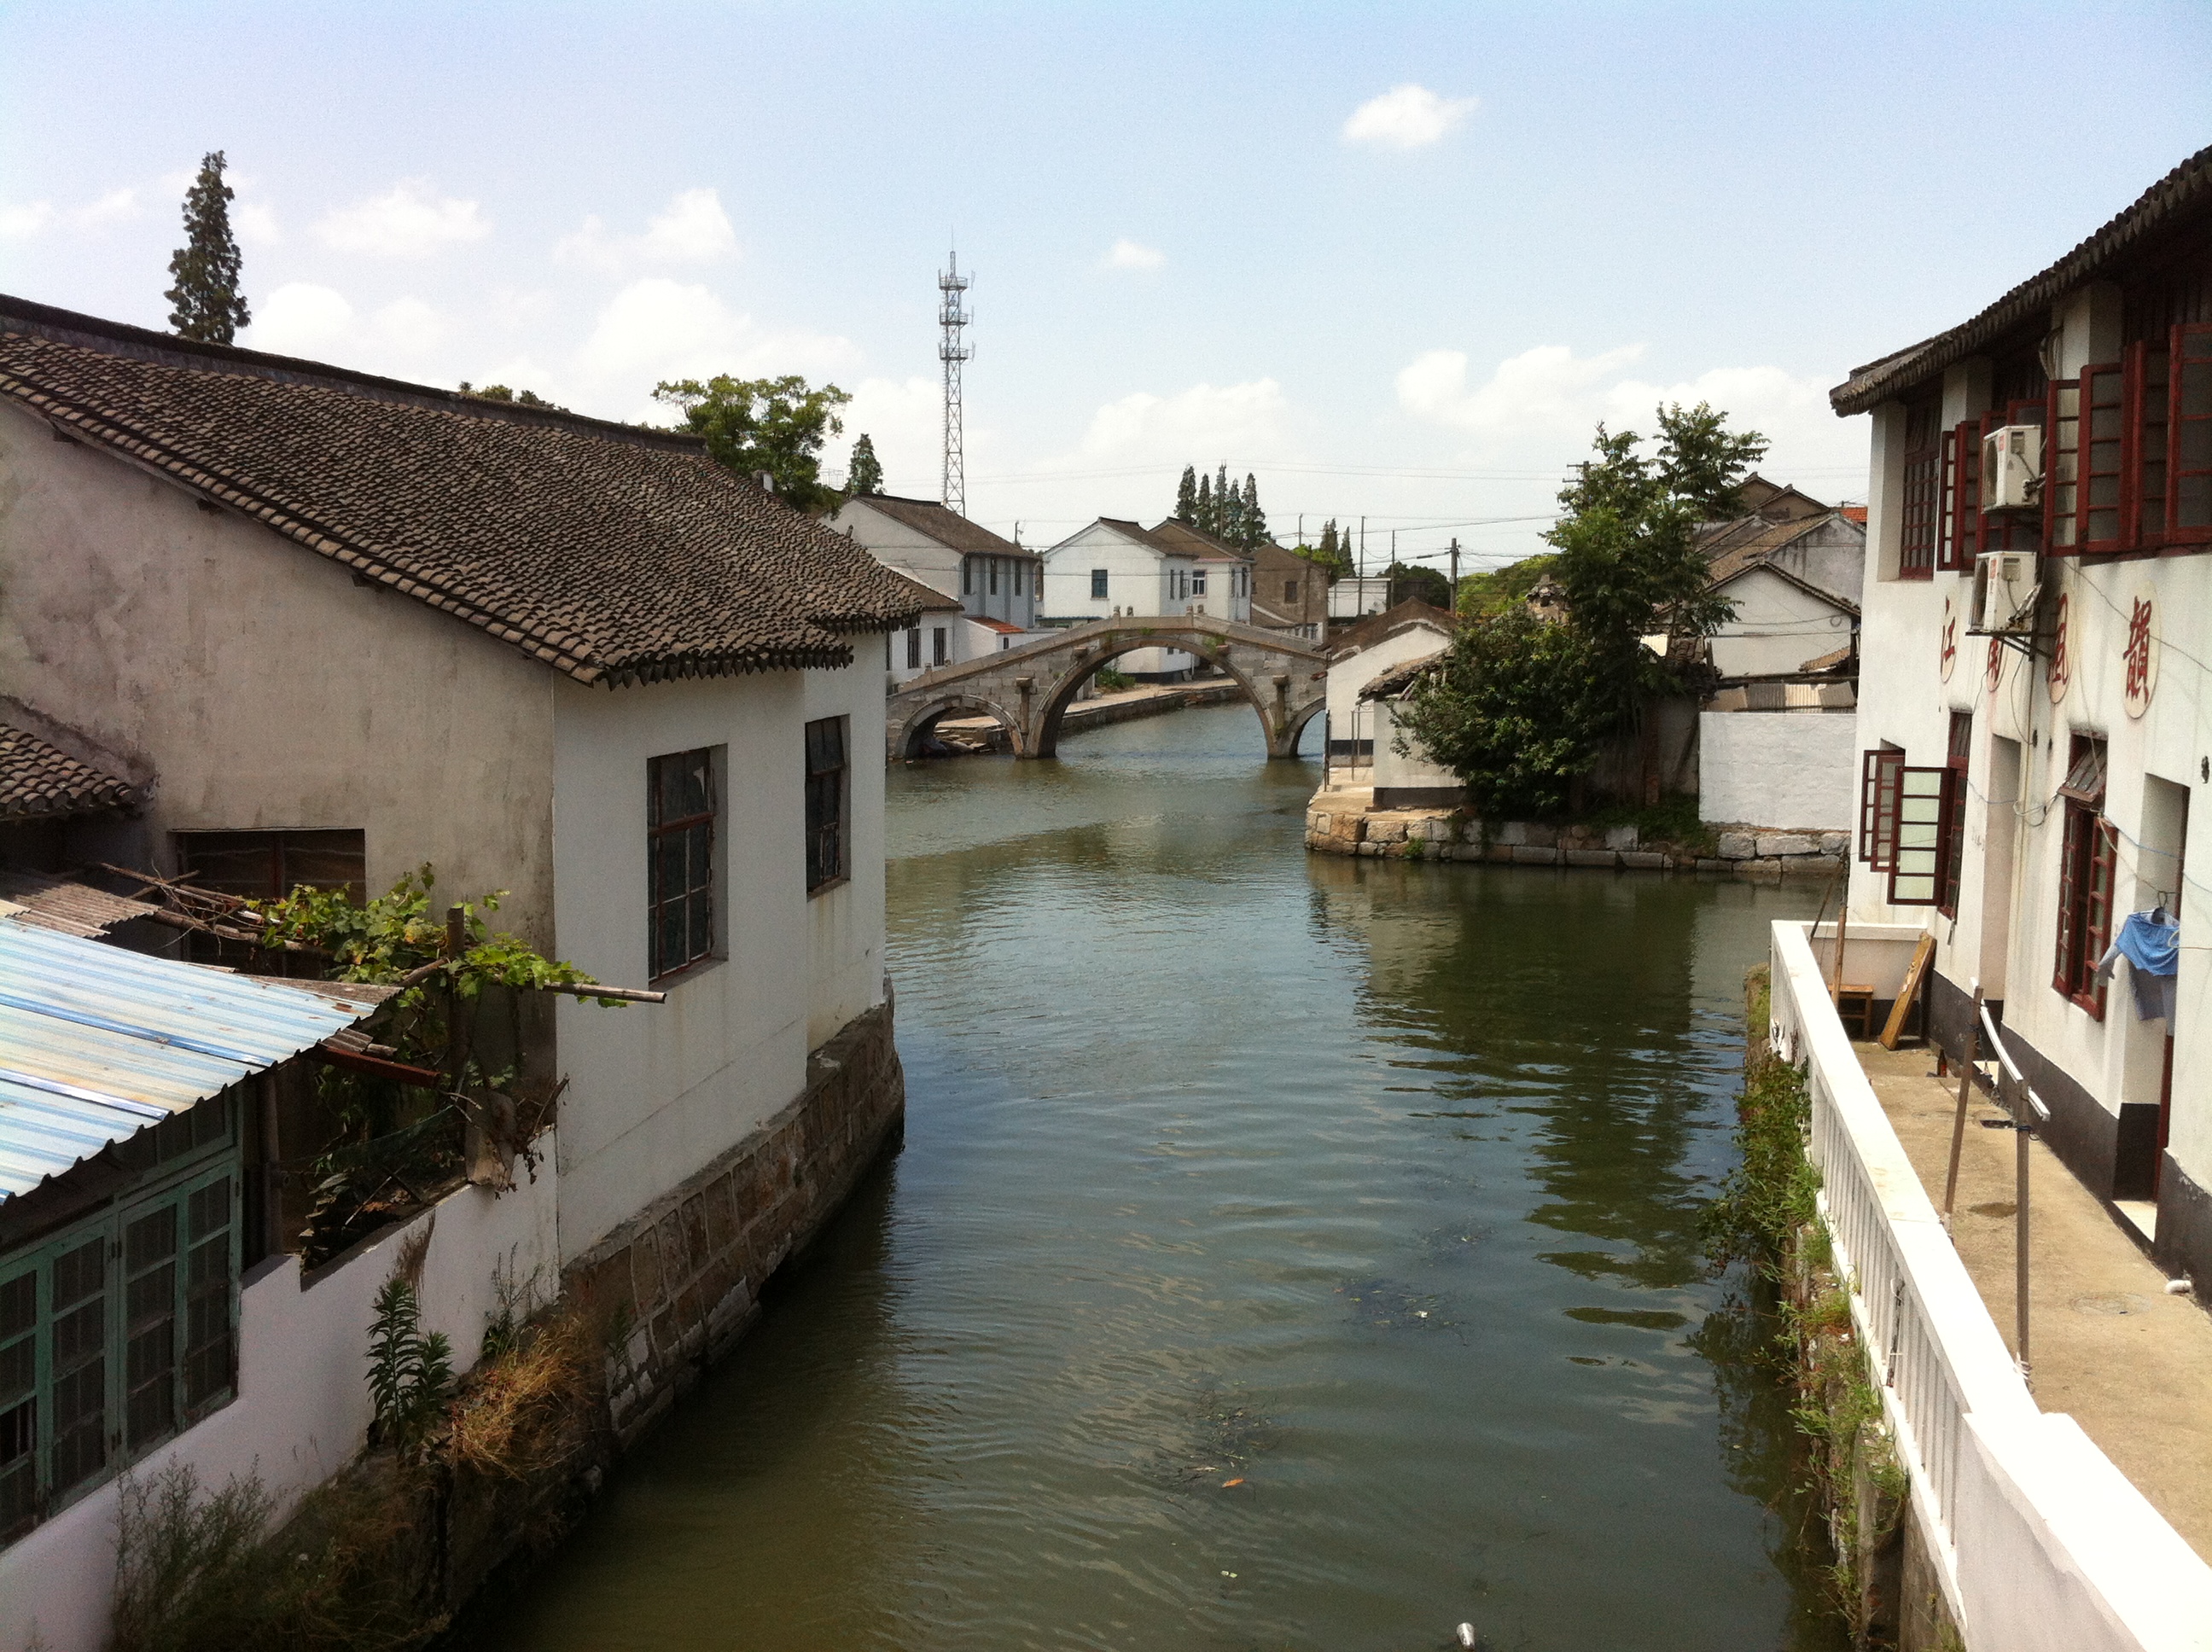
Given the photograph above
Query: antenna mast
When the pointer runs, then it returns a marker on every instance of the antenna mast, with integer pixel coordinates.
(952, 289)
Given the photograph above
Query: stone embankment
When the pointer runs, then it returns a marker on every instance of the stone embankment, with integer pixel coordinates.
(1338, 821)
(975, 736)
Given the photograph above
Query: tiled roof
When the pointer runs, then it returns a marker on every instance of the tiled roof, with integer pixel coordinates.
(998, 625)
(1183, 538)
(2182, 193)
(944, 525)
(1401, 676)
(39, 781)
(1376, 627)
(1738, 546)
(613, 553)
(60, 903)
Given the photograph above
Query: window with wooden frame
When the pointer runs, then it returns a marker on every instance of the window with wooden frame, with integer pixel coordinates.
(2061, 463)
(119, 1332)
(2103, 403)
(682, 818)
(2189, 472)
(1923, 487)
(913, 649)
(2150, 386)
(265, 866)
(1954, 828)
(1920, 836)
(2088, 859)
(827, 798)
(1878, 783)
(1962, 489)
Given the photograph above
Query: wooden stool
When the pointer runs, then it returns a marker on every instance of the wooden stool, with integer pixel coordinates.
(1855, 1005)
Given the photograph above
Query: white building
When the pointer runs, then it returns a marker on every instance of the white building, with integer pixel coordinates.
(993, 582)
(1412, 630)
(2034, 716)
(1221, 583)
(325, 627)
(1114, 568)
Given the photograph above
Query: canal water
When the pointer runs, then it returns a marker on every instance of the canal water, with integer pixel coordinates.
(1285, 1252)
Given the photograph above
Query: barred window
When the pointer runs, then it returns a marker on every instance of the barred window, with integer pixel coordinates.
(682, 798)
(825, 802)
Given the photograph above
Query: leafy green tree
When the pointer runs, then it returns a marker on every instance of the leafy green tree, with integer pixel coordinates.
(1496, 589)
(1627, 553)
(1255, 524)
(205, 303)
(1412, 582)
(1330, 553)
(1516, 707)
(1186, 508)
(775, 425)
(504, 393)
(865, 475)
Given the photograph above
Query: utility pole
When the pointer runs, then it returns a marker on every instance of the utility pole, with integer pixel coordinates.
(953, 288)
(1454, 584)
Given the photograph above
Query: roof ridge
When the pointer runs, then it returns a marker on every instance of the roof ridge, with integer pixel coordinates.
(196, 356)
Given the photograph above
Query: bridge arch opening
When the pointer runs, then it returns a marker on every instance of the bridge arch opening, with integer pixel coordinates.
(917, 735)
(1215, 653)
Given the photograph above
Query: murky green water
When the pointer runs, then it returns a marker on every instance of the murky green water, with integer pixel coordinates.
(1285, 1252)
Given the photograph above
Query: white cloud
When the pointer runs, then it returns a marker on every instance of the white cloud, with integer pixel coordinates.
(21, 222)
(411, 221)
(254, 224)
(115, 206)
(321, 323)
(691, 229)
(656, 329)
(1406, 117)
(1541, 409)
(905, 419)
(1134, 255)
(1215, 419)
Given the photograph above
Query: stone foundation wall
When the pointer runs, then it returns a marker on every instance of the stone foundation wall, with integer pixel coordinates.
(1348, 827)
(680, 1282)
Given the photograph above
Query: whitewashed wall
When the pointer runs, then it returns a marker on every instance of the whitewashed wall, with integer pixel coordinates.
(1796, 769)
(302, 1410)
(1777, 627)
(1138, 582)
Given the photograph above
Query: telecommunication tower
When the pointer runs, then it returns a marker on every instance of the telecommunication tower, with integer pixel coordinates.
(953, 291)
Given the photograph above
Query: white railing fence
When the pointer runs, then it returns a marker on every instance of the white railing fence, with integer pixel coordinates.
(2038, 1540)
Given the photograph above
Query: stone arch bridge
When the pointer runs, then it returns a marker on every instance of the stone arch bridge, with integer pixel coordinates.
(1027, 688)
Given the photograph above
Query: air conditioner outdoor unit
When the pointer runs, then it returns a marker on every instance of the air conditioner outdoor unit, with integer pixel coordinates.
(2012, 468)
(2004, 590)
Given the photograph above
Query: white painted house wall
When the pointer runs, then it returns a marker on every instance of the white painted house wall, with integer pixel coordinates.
(1778, 626)
(2004, 938)
(1351, 717)
(1795, 770)
(302, 1408)
(1141, 579)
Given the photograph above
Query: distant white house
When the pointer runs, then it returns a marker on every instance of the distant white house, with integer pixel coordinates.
(1221, 583)
(993, 582)
(1114, 568)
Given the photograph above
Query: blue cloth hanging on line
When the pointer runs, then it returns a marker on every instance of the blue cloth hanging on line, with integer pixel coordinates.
(2151, 942)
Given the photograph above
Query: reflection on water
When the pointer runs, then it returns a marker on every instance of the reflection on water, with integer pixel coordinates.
(1285, 1252)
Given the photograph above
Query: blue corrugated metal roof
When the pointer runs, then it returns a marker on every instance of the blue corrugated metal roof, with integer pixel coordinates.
(97, 1043)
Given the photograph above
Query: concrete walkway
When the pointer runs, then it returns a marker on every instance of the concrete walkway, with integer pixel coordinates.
(2132, 1364)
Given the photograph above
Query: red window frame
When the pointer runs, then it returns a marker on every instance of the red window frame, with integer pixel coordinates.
(2088, 868)
(2189, 435)
(2062, 458)
(1962, 540)
(2100, 511)
(2150, 378)
(1923, 487)
(1878, 783)
(1922, 834)
(1955, 840)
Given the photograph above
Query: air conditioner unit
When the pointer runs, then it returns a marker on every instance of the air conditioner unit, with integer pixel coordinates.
(2012, 468)
(2004, 590)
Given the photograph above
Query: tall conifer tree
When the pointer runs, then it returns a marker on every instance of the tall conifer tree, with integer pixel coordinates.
(1255, 522)
(205, 304)
(1187, 495)
(865, 474)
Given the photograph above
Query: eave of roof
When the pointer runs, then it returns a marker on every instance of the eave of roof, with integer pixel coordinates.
(2187, 188)
(40, 781)
(945, 525)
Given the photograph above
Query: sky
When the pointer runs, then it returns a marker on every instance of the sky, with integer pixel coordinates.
(1397, 261)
